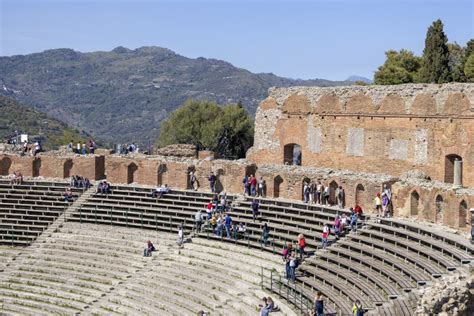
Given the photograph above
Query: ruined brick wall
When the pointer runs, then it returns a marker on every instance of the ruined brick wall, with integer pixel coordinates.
(53, 166)
(377, 129)
(436, 202)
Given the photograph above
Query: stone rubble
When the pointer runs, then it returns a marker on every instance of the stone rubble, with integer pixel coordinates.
(450, 295)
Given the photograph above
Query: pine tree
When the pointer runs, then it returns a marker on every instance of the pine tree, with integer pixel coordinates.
(469, 68)
(435, 55)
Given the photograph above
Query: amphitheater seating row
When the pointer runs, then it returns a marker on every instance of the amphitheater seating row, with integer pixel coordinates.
(134, 207)
(380, 264)
(26, 210)
(98, 269)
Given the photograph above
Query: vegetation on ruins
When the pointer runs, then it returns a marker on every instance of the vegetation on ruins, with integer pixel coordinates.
(441, 61)
(17, 117)
(227, 130)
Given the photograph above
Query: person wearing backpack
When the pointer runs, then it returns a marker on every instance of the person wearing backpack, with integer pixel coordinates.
(357, 309)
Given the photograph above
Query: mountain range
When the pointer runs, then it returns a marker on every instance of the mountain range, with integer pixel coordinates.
(124, 94)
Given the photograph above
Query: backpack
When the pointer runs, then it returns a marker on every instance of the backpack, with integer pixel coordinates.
(359, 311)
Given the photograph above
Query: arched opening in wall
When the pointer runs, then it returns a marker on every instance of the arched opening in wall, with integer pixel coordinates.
(131, 169)
(449, 171)
(250, 170)
(159, 175)
(219, 185)
(5, 165)
(292, 154)
(277, 181)
(332, 192)
(67, 167)
(360, 195)
(439, 207)
(305, 181)
(190, 177)
(414, 203)
(463, 215)
(36, 167)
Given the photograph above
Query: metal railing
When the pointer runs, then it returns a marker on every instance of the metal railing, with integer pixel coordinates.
(286, 289)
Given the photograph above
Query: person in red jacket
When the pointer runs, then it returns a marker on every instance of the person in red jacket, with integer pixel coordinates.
(302, 245)
(358, 210)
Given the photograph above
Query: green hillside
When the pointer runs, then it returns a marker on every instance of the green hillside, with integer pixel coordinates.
(17, 117)
(124, 95)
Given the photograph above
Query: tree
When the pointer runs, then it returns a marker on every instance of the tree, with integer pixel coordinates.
(457, 59)
(469, 48)
(399, 67)
(435, 55)
(469, 68)
(227, 130)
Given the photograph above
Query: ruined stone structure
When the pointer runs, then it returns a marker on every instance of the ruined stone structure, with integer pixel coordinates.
(415, 138)
(425, 130)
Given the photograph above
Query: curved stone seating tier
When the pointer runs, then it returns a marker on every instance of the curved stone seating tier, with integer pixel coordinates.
(98, 269)
(26, 210)
(452, 245)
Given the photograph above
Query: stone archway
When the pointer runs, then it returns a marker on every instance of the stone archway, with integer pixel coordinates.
(131, 169)
(277, 182)
(5, 165)
(159, 174)
(67, 167)
(439, 208)
(36, 166)
(449, 167)
(292, 154)
(414, 203)
(360, 195)
(463, 215)
(332, 192)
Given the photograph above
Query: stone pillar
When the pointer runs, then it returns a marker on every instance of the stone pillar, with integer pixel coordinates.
(458, 172)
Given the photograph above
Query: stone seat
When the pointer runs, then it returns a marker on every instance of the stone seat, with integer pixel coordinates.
(361, 252)
(366, 288)
(48, 304)
(384, 277)
(340, 303)
(411, 246)
(454, 248)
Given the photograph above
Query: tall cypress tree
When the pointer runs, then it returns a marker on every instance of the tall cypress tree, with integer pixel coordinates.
(435, 55)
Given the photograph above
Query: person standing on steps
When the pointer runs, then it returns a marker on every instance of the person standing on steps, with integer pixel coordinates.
(212, 181)
(319, 192)
(325, 236)
(319, 304)
(262, 187)
(198, 221)
(180, 235)
(265, 234)
(255, 206)
(301, 245)
(228, 224)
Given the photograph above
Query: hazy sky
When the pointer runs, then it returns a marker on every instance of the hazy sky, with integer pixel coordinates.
(298, 39)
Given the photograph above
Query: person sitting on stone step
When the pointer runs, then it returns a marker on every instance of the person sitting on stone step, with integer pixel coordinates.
(68, 195)
(268, 307)
(149, 249)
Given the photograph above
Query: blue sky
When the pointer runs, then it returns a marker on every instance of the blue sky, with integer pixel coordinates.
(297, 39)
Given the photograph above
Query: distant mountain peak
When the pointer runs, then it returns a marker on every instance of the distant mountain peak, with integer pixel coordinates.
(355, 78)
